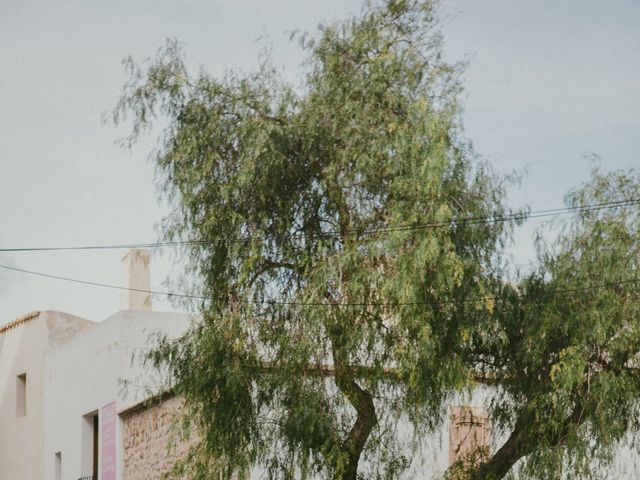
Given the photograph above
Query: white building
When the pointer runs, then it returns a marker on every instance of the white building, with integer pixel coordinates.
(64, 380)
(70, 389)
(24, 347)
(73, 398)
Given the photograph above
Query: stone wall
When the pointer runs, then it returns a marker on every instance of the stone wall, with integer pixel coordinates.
(151, 445)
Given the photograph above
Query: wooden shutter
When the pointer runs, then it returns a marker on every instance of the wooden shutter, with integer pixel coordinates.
(469, 436)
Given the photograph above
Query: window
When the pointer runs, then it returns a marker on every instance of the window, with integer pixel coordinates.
(469, 436)
(21, 395)
(57, 466)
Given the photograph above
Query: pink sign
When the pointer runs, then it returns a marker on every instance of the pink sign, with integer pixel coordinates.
(108, 462)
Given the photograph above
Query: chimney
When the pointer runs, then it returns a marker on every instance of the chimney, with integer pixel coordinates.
(136, 277)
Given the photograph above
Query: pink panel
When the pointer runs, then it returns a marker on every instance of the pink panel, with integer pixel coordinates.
(108, 442)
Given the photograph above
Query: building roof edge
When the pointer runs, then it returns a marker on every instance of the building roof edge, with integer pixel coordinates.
(19, 321)
(147, 403)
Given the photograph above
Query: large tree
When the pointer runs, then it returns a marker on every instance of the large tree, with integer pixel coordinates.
(341, 285)
(564, 345)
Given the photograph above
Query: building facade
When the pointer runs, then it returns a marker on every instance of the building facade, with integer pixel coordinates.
(78, 401)
(64, 380)
(24, 348)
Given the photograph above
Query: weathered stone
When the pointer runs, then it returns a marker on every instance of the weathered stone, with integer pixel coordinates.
(151, 440)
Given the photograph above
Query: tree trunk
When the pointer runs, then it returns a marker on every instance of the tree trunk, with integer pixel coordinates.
(504, 459)
(354, 443)
(362, 401)
(519, 444)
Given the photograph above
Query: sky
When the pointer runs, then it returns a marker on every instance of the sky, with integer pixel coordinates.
(548, 85)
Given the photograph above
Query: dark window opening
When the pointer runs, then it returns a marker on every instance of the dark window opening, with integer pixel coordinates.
(21, 395)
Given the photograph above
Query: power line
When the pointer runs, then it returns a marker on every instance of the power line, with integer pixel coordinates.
(504, 218)
(415, 226)
(318, 304)
(118, 246)
(103, 285)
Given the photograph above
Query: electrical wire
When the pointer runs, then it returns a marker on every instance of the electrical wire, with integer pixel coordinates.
(99, 284)
(416, 226)
(317, 304)
(118, 246)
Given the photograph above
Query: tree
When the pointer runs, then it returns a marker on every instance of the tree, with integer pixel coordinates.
(565, 344)
(341, 288)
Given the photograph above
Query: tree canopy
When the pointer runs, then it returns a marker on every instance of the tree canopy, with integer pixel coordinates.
(347, 241)
(566, 341)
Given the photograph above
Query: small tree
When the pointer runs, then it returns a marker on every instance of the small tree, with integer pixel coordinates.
(341, 289)
(565, 345)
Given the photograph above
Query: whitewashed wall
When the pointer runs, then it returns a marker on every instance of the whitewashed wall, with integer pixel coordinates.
(23, 350)
(88, 374)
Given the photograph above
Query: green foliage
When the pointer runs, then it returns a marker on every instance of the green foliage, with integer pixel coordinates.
(565, 343)
(333, 309)
(331, 312)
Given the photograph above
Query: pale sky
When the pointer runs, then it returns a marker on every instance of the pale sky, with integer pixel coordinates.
(548, 83)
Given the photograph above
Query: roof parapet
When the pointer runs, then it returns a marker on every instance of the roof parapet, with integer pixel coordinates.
(19, 321)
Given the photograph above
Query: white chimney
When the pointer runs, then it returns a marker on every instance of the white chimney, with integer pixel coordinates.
(136, 277)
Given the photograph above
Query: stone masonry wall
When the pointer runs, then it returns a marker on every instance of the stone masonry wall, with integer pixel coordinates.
(150, 443)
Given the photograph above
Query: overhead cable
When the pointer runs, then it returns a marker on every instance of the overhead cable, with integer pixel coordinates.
(483, 299)
(415, 226)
